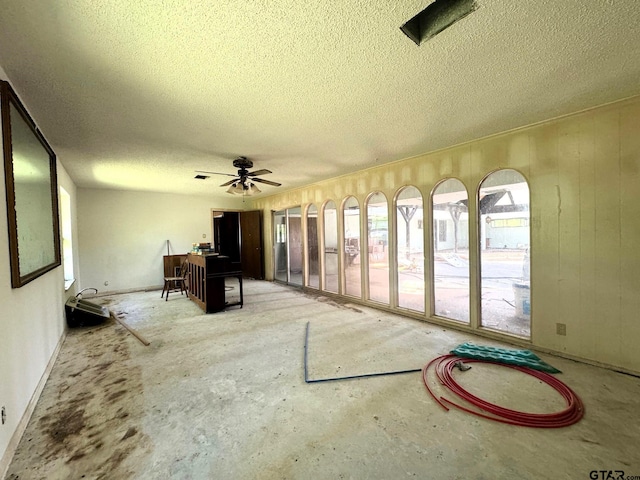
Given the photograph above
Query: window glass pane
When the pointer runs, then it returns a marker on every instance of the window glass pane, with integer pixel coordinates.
(410, 249)
(378, 246)
(352, 277)
(312, 247)
(280, 233)
(294, 245)
(67, 244)
(331, 250)
(503, 204)
(451, 250)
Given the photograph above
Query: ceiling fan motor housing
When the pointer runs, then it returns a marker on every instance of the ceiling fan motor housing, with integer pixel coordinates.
(242, 163)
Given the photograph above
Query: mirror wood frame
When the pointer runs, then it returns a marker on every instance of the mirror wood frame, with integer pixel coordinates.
(19, 278)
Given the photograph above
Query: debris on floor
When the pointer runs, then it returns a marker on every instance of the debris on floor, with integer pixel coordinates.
(523, 358)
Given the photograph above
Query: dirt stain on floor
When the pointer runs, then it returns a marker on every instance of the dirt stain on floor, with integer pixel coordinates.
(336, 302)
(87, 413)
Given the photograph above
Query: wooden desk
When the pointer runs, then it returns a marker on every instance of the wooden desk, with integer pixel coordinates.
(206, 281)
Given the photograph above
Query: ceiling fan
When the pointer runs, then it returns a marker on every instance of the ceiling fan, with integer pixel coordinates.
(243, 183)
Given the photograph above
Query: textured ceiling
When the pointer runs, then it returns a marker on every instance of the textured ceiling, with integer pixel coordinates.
(140, 94)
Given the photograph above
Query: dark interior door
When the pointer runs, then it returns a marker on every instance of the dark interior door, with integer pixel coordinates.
(251, 244)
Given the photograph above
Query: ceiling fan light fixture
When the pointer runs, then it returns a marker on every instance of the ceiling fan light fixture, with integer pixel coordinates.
(235, 189)
(252, 189)
(243, 188)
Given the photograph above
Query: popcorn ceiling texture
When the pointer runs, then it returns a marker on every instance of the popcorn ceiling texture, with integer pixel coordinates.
(139, 95)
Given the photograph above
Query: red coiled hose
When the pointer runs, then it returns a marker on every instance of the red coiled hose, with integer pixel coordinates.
(444, 366)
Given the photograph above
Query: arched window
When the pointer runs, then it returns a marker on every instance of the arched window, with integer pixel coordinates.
(449, 202)
(352, 248)
(378, 247)
(331, 250)
(313, 261)
(410, 248)
(503, 219)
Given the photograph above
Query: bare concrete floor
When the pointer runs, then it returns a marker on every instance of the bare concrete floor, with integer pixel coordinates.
(223, 396)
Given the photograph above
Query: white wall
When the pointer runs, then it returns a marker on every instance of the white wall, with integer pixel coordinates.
(32, 327)
(123, 234)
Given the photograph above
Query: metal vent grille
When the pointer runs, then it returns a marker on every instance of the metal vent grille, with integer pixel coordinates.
(438, 16)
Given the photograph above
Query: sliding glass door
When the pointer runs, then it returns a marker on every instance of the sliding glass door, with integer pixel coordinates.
(281, 262)
(295, 245)
(288, 246)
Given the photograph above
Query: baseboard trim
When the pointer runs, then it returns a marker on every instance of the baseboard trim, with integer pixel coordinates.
(24, 421)
(151, 288)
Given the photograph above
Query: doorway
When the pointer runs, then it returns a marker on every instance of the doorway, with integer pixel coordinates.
(238, 235)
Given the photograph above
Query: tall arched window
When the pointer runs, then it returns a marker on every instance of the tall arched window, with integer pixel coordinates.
(313, 261)
(331, 250)
(352, 248)
(449, 202)
(410, 248)
(378, 247)
(503, 219)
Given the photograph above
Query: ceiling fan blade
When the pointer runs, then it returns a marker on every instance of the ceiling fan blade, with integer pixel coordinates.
(268, 182)
(230, 182)
(259, 172)
(217, 173)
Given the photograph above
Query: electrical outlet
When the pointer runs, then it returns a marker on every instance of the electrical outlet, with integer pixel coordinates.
(561, 329)
(3, 414)
(204, 235)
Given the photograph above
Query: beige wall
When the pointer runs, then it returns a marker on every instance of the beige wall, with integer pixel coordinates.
(33, 326)
(123, 234)
(584, 175)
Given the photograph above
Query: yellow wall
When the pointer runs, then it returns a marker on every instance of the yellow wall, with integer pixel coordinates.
(584, 176)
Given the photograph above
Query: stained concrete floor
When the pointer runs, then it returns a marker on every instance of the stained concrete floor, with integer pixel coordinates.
(222, 396)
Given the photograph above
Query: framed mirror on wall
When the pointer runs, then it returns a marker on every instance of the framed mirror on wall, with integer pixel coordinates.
(31, 191)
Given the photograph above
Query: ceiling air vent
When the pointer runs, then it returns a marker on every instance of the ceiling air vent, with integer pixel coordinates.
(438, 16)
(201, 177)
